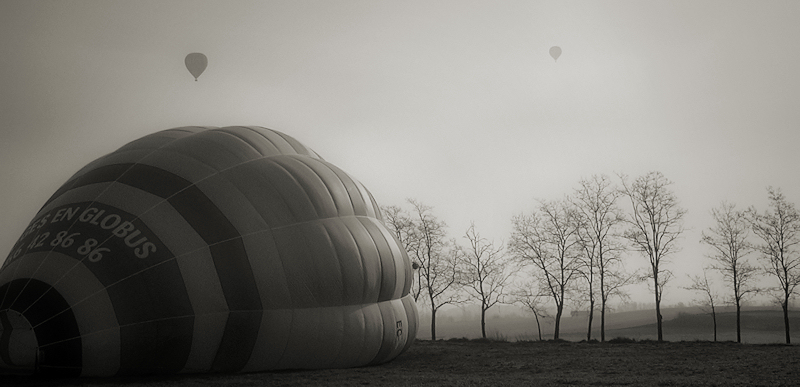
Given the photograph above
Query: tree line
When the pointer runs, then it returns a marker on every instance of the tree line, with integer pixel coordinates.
(573, 249)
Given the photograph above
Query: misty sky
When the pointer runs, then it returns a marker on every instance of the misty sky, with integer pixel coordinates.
(455, 103)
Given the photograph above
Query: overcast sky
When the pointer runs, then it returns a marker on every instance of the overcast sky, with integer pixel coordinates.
(455, 103)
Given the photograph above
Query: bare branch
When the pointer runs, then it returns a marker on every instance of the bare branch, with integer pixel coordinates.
(654, 226)
(599, 220)
(434, 257)
(547, 239)
(484, 273)
(779, 231)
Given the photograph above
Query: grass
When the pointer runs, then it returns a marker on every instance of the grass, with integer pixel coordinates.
(464, 362)
(630, 356)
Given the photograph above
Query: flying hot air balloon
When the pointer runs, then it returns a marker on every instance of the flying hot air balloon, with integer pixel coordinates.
(555, 52)
(196, 63)
(200, 249)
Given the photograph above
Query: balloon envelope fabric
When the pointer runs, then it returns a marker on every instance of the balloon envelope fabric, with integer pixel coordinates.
(199, 249)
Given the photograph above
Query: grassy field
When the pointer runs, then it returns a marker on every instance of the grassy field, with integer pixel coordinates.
(687, 358)
(461, 362)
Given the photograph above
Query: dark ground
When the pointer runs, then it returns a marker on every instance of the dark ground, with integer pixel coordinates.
(479, 363)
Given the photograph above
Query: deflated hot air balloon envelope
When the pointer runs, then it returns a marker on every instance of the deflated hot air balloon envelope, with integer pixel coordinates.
(21, 351)
(201, 249)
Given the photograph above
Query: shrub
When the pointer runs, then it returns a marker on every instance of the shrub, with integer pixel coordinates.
(497, 336)
(621, 340)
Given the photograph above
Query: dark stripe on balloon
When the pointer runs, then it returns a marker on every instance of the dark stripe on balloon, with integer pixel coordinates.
(227, 249)
(156, 328)
(234, 272)
(98, 175)
(153, 180)
(235, 276)
(5, 338)
(53, 322)
(237, 343)
(166, 346)
(225, 243)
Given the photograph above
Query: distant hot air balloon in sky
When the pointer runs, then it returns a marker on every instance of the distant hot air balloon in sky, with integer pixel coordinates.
(555, 52)
(196, 63)
(201, 249)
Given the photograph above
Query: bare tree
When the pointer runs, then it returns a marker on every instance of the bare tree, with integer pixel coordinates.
(483, 270)
(407, 232)
(437, 261)
(547, 239)
(595, 200)
(779, 231)
(655, 223)
(729, 241)
(530, 296)
(703, 285)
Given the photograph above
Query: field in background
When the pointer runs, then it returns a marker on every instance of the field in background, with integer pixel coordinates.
(760, 325)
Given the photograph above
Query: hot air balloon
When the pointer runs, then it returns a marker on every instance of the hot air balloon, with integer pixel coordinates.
(555, 52)
(200, 249)
(196, 63)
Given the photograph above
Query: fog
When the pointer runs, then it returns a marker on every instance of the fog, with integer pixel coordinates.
(458, 105)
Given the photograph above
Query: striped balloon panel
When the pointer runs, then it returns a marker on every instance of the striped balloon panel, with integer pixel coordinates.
(206, 250)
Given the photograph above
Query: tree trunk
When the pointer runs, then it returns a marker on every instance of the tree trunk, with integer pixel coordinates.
(738, 323)
(714, 317)
(660, 330)
(785, 306)
(559, 310)
(433, 324)
(538, 326)
(658, 308)
(483, 322)
(591, 316)
(603, 321)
